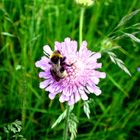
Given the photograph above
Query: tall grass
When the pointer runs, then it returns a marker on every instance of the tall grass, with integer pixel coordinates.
(25, 26)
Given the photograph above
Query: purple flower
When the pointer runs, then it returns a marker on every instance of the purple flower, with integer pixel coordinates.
(79, 68)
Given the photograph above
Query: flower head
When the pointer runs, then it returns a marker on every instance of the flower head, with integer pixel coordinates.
(85, 2)
(71, 73)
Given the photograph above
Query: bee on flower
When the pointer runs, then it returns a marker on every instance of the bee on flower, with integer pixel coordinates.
(70, 72)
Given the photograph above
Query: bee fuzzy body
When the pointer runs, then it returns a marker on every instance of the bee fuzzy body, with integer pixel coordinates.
(58, 69)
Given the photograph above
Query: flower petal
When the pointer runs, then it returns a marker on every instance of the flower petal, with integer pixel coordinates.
(67, 41)
(96, 56)
(83, 46)
(71, 100)
(94, 80)
(70, 46)
(94, 89)
(99, 74)
(77, 96)
(67, 91)
(63, 98)
(45, 74)
(43, 63)
(47, 50)
(44, 84)
(97, 91)
(73, 47)
(52, 96)
(57, 46)
(83, 95)
(97, 65)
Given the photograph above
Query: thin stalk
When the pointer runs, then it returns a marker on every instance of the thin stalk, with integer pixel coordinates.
(81, 21)
(66, 123)
(24, 88)
(81, 25)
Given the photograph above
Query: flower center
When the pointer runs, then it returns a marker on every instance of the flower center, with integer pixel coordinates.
(75, 69)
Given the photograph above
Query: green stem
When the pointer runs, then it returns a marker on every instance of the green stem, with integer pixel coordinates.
(8, 136)
(66, 123)
(81, 25)
(81, 21)
(24, 88)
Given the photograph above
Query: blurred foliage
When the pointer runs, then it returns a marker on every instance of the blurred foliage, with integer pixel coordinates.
(25, 26)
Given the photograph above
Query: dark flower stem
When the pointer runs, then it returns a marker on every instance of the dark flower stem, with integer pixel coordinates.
(65, 137)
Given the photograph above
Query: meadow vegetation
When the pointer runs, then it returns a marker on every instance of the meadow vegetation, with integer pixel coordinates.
(110, 26)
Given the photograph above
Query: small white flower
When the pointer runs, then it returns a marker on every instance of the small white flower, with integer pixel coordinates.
(85, 2)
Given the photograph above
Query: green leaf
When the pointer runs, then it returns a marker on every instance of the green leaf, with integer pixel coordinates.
(118, 62)
(61, 117)
(6, 130)
(7, 34)
(117, 85)
(72, 125)
(127, 18)
(86, 109)
(134, 38)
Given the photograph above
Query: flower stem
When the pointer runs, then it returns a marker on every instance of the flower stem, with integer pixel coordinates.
(81, 25)
(65, 137)
(24, 98)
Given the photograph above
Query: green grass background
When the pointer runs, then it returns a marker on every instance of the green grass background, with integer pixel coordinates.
(27, 25)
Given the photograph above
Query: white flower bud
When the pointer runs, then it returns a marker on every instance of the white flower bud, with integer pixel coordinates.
(85, 2)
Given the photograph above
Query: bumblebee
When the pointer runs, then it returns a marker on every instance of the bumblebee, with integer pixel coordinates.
(58, 69)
